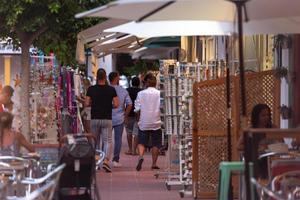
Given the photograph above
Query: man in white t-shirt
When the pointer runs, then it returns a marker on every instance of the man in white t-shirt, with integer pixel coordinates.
(147, 106)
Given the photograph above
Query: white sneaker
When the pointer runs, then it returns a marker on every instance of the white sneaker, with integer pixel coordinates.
(116, 164)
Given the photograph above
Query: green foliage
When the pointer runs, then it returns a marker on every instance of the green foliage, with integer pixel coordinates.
(140, 67)
(24, 19)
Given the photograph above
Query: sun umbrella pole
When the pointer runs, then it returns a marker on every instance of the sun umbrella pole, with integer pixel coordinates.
(240, 4)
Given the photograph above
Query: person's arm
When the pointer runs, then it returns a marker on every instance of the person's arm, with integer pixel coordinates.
(127, 111)
(81, 99)
(137, 106)
(240, 143)
(128, 106)
(23, 142)
(138, 114)
(87, 101)
(115, 102)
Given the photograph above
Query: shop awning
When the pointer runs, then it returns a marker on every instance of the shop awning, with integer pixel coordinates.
(123, 44)
(96, 35)
(126, 49)
(154, 53)
(163, 42)
(97, 32)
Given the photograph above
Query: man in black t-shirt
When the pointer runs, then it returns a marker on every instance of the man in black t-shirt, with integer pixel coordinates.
(102, 98)
(131, 125)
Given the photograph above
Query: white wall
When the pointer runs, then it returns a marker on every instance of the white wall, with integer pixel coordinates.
(284, 99)
(107, 62)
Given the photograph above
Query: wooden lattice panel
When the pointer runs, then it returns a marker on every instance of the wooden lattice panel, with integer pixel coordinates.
(262, 87)
(210, 136)
(212, 146)
(210, 123)
(210, 105)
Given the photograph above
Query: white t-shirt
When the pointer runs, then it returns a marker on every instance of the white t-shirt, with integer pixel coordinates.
(148, 103)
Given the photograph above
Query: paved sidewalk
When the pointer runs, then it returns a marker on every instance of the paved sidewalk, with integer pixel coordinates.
(126, 183)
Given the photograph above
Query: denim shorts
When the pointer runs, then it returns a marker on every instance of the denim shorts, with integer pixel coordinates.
(150, 138)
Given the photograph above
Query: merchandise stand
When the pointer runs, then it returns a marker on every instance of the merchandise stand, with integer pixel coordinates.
(68, 113)
(171, 172)
(188, 73)
(44, 71)
(178, 79)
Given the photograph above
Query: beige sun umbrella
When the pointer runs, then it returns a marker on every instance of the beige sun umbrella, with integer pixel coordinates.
(267, 15)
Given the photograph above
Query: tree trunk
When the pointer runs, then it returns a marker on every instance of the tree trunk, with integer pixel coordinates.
(25, 95)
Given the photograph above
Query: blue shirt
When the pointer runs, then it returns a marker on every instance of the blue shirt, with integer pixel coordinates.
(124, 101)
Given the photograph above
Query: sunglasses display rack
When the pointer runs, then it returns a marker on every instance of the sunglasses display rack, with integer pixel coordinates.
(178, 80)
(188, 74)
(171, 121)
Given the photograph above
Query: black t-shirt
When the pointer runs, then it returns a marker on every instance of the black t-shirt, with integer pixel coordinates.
(101, 97)
(133, 91)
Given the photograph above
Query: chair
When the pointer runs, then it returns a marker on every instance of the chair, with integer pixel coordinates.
(287, 183)
(8, 166)
(14, 168)
(281, 166)
(264, 192)
(3, 190)
(225, 173)
(296, 193)
(225, 170)
(277, 165)
(43, 193)
(52, 175)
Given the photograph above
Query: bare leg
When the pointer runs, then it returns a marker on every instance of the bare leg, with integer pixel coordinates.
(155, 152)
(141, 149)
(141, 159)
(88, 126)
(134, 145)
(129, 140)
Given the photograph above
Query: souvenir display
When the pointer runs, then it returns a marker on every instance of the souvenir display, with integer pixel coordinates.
(178, 94)
(44, 71)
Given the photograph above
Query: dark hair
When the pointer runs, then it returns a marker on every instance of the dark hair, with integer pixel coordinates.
(101, 74)
(8, 90)
(112, 76)
(5, 123)
(151, 81)
(255, 115)
(135, 81)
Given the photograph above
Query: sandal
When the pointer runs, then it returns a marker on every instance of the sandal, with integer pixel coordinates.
(128, 153)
